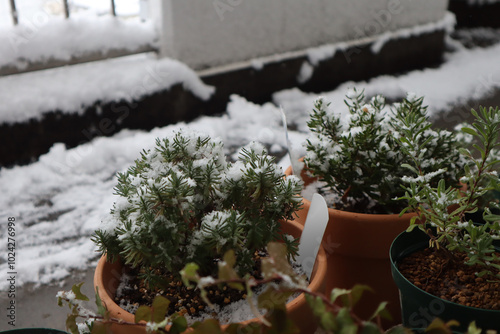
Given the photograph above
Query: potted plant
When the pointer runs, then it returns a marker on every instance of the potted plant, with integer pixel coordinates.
(446, 262)
(356, 162)
(182, 202)
(332, 314)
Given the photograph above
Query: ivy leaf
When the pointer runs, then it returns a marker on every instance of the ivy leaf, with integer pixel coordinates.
(328, 323)
(382, 312)
(71, 323)
(78, 294)
(273, 299)
(472, 329)
(190, 273)
(179, 325)
(143, 313)
(370, 328)
(338, 292)
(211, 326)
(100, 328)
(227, 272)
(399, 330)
(101, 310)
(357, 292)
(280, 323)
(345, 322)
(276, 262)
(230, 258)
(159, 308)
(252, 328)
(438, 326)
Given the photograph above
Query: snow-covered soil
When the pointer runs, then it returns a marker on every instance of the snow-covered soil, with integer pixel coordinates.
(60, 200)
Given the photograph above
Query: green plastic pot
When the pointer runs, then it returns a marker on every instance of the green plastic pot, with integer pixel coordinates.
(34, 331)
(419, 308)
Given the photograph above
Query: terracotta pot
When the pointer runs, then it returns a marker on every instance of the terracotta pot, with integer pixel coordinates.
(107, 276)
(357, 247)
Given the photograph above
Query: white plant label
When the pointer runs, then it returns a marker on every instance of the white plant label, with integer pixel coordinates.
(314, 229)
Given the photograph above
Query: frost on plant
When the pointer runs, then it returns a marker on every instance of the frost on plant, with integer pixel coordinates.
(361, 161)
(183, 202)
(445, 209)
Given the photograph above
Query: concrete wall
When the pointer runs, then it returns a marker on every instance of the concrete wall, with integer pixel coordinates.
(207, 33)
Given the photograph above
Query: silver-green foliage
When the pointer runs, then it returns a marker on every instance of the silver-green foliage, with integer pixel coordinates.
(445, 208)
(361, 161)
(183, 202)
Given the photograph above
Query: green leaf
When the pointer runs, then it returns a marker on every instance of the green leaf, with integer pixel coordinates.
(71, 323)
(251, 328)
(470, 131)
(179, 325)
(78, 294)
(472, 329)
(337, 292)
(327, 322)
(345, 320)
(143, 313)
(190, 273)
(316, 305)
(370, 328)
(280, 323)
(464, 151)
(410, 167)
(100, 328)
(211, 326)
(357, 292)
(230, 258)
(101, 310)
(227, 272)
(399, 330)
(273, 299)
(159, 308)
(277, 261)
(382, 312)
(438, 326)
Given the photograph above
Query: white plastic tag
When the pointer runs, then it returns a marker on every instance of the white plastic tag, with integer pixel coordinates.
(314, 229)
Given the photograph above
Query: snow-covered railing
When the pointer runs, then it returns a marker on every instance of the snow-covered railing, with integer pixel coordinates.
(15, 14)
(38, 40)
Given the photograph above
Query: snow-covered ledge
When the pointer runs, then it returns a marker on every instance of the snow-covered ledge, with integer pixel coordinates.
(210, 33)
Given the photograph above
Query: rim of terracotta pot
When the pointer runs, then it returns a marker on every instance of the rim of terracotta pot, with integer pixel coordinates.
(111, 272)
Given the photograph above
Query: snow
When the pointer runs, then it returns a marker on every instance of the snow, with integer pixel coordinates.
(305, 73)
(69, 89)
(481, 2)
(447, 24)
(57, 38)
(466, 74)
(320, 53)
(32, 11)
(61, 199)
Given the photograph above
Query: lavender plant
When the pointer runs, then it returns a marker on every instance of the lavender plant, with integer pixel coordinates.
(453, 231)
(183, 202)
(361, 162)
